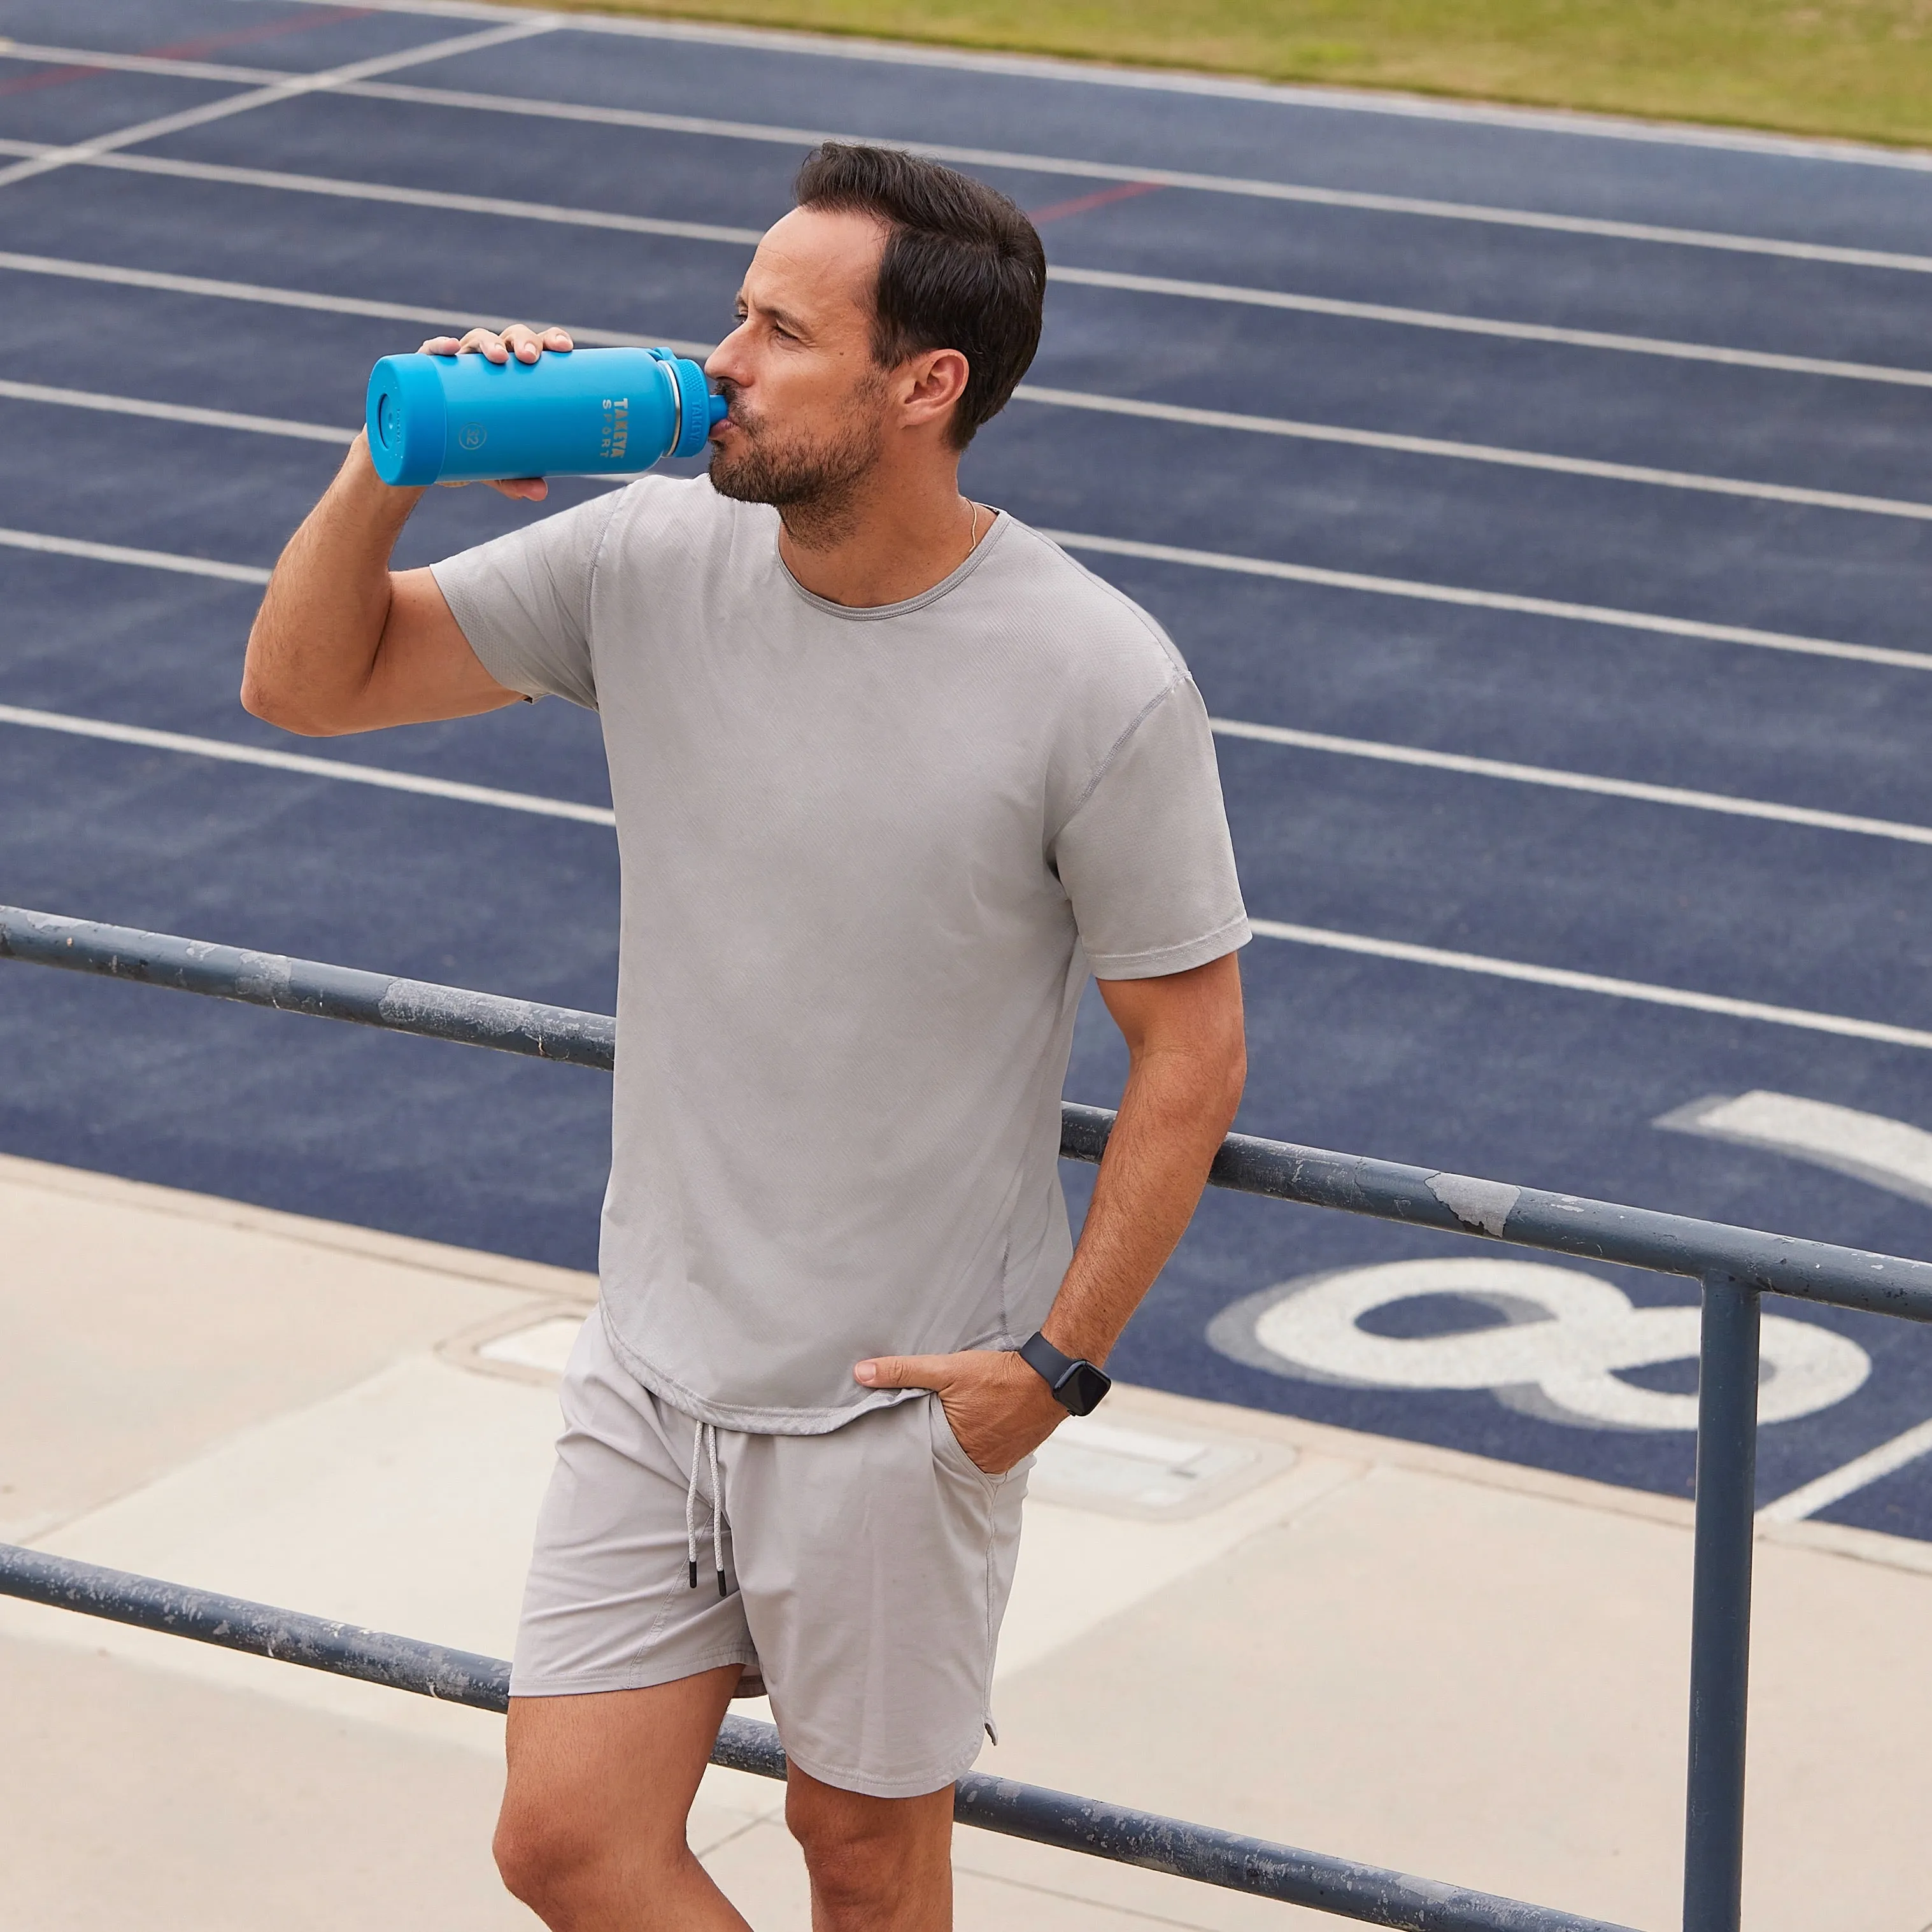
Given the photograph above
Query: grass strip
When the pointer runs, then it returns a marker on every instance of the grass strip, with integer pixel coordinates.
(1860, 69)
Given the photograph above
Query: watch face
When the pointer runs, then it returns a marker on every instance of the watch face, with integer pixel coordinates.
(1083, 1387)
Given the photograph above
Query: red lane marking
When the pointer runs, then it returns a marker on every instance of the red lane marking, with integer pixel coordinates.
(52, 76)
(268, 30)
(1098, 199)
(59, 76)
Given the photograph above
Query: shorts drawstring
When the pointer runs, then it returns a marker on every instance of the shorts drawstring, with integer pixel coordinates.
(704, 1437)
(717, 1510)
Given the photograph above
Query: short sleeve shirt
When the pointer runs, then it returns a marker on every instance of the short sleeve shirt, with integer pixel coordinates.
(869, 858)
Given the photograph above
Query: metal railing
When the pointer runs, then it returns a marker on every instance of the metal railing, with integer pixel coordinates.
(1735, 1266)
(1366, 1893)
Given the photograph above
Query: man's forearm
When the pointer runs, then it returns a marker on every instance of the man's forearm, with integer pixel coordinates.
(316, 639)
(1178, 1106)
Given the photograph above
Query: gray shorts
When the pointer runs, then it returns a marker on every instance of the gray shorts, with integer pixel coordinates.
(865, 1573)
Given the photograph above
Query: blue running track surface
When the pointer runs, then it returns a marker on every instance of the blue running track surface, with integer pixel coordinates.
(1542, 504)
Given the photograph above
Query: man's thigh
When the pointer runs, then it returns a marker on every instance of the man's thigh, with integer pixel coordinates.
(612, 1773)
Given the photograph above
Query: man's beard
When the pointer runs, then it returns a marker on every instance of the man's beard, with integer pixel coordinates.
(815, 487)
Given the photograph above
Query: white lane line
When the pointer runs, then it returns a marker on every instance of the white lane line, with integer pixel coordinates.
(1346, 100)
(1493, 600)
(1304, 935)
(228, 752)
(288, 89)
(440, 319)
(227, 291)
(106, 60)
(148, 559)
(1098, 278)
(554, 213)
(1674, 796)
(1840, 1025)
(1406, 446)
(1476, 452)
(1470, 325)
(1093, 170)
(134, 406)
(1858, 1474)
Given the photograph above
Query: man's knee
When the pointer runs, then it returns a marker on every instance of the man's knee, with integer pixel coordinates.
(867, 1854)
(849, 1873)
(542, 1856)
(566, 1868)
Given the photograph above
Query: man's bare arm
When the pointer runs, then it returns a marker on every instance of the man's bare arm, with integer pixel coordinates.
(1187, 1061)
(341, 642)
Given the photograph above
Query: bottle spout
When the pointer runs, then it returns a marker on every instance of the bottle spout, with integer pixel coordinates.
(720, 409)
(697, 409)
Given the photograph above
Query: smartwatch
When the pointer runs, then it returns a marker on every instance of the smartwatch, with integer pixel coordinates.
(1076, 1384)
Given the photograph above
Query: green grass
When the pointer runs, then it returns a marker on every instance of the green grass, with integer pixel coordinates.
(1861, 68)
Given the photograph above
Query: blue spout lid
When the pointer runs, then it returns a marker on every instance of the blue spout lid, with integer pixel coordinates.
(698, 408)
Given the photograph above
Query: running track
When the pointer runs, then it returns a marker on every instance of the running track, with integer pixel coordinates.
(1541, 503)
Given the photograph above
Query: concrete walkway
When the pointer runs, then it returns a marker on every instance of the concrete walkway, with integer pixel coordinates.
(1424, 1660)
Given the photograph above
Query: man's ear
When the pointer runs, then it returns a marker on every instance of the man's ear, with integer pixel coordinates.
(931, 384)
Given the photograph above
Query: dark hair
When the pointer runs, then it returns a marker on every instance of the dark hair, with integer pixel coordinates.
(963, 267)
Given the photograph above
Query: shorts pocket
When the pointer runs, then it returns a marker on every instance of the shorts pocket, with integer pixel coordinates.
(946, 1446)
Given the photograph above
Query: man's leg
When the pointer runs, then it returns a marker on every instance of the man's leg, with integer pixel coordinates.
(877, 1864)
(591, 1836)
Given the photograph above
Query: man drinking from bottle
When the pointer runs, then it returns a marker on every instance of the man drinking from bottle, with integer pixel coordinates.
(893, 777)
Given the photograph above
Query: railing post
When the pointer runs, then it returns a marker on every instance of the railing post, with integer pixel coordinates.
(1714, 1828)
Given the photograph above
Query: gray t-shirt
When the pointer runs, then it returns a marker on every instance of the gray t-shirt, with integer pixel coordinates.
(868, 858)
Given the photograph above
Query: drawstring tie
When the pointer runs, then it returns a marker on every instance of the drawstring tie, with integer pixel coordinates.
(704, 1437)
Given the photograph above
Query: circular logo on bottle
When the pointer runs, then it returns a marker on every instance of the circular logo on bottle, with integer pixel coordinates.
(471, 435)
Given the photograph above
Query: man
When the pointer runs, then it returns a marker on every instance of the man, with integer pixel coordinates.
(891, 774)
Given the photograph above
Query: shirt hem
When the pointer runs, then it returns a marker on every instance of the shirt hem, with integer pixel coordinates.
(745, 1420)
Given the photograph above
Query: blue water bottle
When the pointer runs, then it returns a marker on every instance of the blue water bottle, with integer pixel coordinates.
(571, 412)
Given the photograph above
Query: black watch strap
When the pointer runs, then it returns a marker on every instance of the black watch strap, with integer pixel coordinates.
(1077, 1385)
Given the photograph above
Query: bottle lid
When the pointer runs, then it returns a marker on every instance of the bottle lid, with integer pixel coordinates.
(407, 419)
(698, 408)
